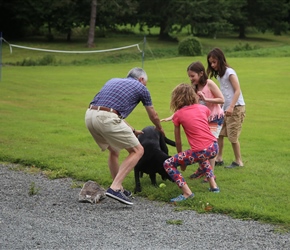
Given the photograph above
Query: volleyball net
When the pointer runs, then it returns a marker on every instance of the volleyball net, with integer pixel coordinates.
(71, 51)
(12, 46)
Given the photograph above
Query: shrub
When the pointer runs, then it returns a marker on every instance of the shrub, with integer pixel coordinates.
(45, 60)
(190, 46)
(245, 47)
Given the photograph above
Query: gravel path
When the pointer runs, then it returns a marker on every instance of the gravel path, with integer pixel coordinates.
(54, 219)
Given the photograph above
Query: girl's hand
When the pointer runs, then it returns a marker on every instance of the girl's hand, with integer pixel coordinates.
(229, 111)
(167, 119)
(201, 95)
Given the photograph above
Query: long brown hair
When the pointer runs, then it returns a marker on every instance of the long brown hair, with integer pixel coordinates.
(198, 68)
(218, 55)
(182, 95)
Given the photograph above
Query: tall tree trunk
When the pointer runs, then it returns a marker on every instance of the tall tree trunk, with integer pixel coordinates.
(68, 35)
(163, 33)
(91, 37)
(242, 31)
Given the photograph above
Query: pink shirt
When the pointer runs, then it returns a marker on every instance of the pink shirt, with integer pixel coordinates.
(194, 120)
(215, 109)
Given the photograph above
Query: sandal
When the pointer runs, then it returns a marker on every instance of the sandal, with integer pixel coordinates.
(197, 174)
(233, 165)
(219, 163)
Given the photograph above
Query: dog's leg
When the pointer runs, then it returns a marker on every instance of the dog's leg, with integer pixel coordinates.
(137, 179)
(153, 179)
(140, 174)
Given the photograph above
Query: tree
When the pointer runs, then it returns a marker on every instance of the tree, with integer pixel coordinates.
(159, 13)
(116, 12)
(91, 36)
(12, 21)
(269, 15)
(261, 14)
(205, 17)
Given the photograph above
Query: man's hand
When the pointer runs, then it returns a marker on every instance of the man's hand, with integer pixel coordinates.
(138, 132)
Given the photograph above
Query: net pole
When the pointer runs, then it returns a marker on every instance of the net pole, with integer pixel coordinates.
(143, 52)
(0, 56)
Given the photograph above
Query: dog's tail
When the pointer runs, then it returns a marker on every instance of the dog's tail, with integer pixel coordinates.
(169, 142)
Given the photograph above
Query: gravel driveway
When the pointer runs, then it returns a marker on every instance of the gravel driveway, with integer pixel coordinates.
(54, 219)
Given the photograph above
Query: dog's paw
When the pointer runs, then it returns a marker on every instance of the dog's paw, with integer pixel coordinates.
(137, 190)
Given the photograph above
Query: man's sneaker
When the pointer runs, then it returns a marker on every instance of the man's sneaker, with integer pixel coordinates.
(127, 193)
(214, 190)
(181, 198)
(197, 174)
(119, 196)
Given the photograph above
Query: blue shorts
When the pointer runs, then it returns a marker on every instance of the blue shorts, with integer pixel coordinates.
(216, 126)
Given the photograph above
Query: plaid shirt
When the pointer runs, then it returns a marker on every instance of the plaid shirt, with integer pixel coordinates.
(123, 95)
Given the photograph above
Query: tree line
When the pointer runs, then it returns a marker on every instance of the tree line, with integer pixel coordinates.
(20, 18)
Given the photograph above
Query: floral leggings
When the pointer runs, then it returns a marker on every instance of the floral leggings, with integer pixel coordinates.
(189, 157)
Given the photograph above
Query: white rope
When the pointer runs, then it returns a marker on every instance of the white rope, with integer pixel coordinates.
(70, 51)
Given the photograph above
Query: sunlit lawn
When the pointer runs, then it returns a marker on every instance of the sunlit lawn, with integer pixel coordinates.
(42, 124)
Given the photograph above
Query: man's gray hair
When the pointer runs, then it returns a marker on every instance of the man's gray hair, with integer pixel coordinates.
(137, 73)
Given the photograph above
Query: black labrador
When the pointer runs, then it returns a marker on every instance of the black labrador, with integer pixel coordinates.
(155, 153)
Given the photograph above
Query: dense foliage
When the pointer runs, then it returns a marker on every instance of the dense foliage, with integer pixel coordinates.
(201, 17)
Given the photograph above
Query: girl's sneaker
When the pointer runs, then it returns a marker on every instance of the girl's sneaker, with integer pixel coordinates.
(181, 198)
(214, 190)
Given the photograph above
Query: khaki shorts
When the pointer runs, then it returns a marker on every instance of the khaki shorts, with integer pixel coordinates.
(108, 129)
(232, 126)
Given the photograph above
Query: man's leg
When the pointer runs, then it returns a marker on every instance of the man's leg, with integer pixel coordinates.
(113, 162)
(126, 166)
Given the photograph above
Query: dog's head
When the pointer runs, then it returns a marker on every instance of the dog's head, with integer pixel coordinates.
(164, 175)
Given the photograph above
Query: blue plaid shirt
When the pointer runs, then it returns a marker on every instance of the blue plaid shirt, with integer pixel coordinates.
(123, 95)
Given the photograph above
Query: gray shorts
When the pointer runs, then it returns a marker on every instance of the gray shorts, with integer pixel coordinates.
(108, 129)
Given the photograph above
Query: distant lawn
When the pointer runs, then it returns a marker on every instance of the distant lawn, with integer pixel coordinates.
(42, 124)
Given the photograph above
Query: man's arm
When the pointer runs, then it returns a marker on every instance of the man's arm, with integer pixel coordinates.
(153, 116)
(135, 131)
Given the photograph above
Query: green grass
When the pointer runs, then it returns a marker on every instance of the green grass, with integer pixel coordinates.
(42, 124)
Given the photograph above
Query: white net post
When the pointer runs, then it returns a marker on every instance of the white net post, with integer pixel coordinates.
(0, 56)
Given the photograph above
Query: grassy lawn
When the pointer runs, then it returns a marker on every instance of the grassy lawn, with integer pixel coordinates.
(42, 121)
